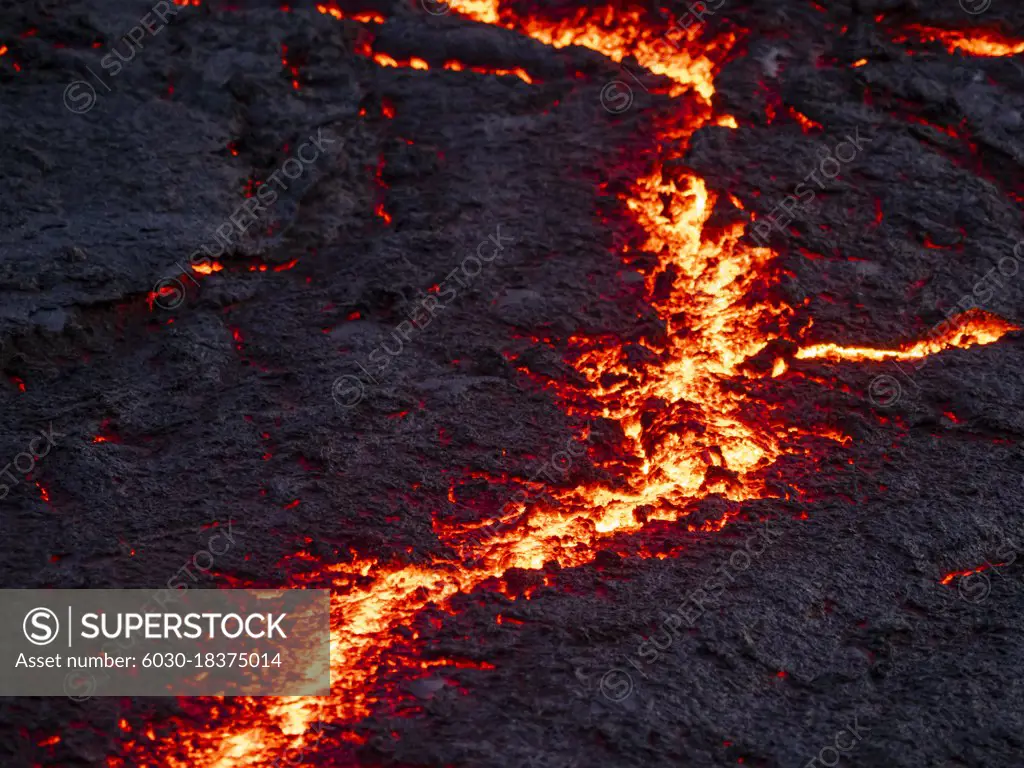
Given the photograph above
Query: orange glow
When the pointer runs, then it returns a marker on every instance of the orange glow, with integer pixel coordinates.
(363, 16)
(484, 11)
(332, 10)
(152, 296)
(978, 43)
(948, 578)
(286, 265)
(690, 430)
(369, 17)
(385, 60)
(616, 35)
(208, 269)
(806, 123)
(970, 329)
(860, 62)
(458, 66)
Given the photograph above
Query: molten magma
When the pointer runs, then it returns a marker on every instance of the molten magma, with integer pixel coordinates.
(972, 328)
(690, 428)
(384, 60)
(977, 43)
(616, 34)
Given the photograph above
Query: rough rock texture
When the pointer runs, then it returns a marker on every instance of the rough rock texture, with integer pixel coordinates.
(226, 406)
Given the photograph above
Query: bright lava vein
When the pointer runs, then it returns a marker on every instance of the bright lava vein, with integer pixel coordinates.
(685, 417)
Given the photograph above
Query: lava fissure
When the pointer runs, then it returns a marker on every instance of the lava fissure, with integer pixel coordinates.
(689, 426)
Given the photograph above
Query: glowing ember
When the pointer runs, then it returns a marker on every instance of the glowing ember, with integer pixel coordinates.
(806, 123)
(385, 60)
(519, 72)
(365, 17)
(949, 577)
(980, 43)
(685, 417)
(208, 269)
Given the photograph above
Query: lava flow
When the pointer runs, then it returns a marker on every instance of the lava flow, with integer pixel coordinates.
(979, 43)
(685, 417)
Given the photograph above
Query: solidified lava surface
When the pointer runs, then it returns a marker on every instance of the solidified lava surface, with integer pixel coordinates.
(644, 381)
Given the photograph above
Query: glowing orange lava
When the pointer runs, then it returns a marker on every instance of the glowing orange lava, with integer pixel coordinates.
(616, 34)
(979, 43)
(366, 17)
(972, 328)
(385, 60)
(684, 416)
(948, 578)
(208, 269)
